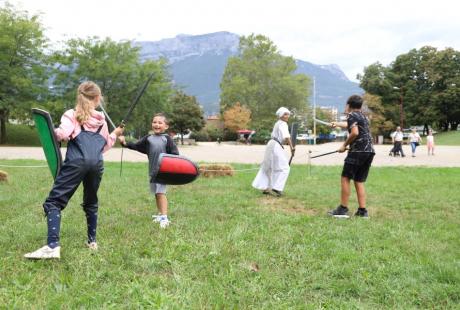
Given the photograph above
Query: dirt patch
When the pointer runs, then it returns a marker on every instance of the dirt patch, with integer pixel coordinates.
(286, 205)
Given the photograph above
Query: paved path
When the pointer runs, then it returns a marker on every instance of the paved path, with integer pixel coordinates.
(446, 156)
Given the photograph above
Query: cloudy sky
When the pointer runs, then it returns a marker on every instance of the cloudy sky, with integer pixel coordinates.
(349, 33)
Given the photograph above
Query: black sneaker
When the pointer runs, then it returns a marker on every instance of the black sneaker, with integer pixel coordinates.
(277, 193)
(339, 212)
(361, 212)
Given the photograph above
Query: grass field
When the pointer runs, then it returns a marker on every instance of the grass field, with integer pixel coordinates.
(447, 138)
(229, 247)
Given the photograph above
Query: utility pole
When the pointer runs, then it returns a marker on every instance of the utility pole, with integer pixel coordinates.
(401, 108)
(314, 110)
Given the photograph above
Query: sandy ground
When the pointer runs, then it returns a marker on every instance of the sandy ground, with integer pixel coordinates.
(445, 156)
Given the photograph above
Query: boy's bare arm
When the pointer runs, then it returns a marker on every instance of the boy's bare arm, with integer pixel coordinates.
(339, 124)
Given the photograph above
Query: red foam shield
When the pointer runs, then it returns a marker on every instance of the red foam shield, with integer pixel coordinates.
(176, 170)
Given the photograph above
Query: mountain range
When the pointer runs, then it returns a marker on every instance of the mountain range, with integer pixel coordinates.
(197, 64)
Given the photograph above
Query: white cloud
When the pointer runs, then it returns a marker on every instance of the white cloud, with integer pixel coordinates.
(351, 34)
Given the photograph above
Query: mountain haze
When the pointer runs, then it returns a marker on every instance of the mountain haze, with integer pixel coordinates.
(197, 64)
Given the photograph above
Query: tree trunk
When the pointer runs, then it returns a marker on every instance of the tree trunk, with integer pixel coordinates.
(453, 125)
(3, 121)
(446, 126)
(425, 129)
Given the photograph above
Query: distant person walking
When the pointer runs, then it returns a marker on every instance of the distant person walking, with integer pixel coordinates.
(414, 140)
(397, 139)
(430, 142)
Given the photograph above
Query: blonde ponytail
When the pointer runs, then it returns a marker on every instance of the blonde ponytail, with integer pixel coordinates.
(86, 94)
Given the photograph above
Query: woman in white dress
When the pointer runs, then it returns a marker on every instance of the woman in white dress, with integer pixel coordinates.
(274, 170)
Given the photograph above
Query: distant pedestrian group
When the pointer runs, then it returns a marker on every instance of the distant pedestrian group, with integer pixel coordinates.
(413, 139)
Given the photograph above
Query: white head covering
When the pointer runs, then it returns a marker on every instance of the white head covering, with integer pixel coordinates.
(281, 111)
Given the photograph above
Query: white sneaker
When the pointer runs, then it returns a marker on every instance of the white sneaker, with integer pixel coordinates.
(45, 253)
(164, 222)
(92, 246)
(156, 218)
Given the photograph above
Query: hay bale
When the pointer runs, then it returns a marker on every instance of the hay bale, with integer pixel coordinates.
(3, 176)
(216, 170)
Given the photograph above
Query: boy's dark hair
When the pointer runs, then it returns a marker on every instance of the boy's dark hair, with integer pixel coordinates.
(355, 102)
(162, 115)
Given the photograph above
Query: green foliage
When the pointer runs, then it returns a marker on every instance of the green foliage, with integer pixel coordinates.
(324, 115)
(208, 134)
(22, 135)
(261, 137)
(375, 111)
(424, 81)
(228, 247)
(186, 114)
(263, 80)
(23, 65)
(202, 135)
(116, 68)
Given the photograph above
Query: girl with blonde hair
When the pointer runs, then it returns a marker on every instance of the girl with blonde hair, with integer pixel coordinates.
(88, 137)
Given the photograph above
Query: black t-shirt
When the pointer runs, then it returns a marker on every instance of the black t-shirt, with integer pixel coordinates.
(363, 143)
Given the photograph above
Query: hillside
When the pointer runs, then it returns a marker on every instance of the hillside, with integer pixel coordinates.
(198, 62)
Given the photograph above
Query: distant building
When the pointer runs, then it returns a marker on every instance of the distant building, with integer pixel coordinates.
(214, 121)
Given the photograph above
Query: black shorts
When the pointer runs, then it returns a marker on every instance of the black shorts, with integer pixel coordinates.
(356, 166)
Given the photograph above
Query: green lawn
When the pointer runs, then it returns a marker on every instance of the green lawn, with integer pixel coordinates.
(406, 256)
(447, 138)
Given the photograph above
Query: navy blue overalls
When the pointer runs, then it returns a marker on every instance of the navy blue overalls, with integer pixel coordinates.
(83, 162)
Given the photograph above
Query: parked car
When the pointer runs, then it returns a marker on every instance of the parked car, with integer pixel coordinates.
(302, 137)
(186, 135)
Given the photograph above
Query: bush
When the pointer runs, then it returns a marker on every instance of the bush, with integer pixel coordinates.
(261, 136)
(214, 134)
(22, 135)
(230, 136)
(200, 136)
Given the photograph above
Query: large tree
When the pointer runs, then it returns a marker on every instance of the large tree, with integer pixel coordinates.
(263, 80)
(22, 64)
(419, 87)
(186, 114)
(374, 109)
(116, 68)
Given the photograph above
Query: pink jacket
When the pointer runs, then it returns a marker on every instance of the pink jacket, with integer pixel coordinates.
(70, 128)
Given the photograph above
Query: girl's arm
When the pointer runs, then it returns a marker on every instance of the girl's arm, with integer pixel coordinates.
(66, 127)
(110, 138)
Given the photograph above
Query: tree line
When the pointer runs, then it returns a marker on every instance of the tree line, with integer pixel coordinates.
(421, 87)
